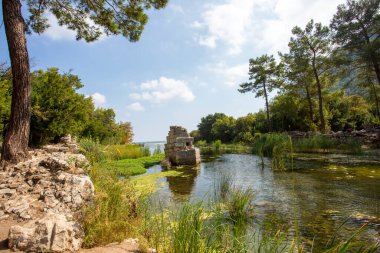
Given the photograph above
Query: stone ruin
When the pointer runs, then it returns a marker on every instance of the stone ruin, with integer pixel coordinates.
(179, 148)
(41, 199)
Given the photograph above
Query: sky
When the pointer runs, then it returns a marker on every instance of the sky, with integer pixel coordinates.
(188, 63)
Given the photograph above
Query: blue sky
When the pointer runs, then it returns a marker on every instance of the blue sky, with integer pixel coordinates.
(188, 63)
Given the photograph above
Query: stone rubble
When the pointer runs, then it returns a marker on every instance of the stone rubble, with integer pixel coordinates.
(49, 190)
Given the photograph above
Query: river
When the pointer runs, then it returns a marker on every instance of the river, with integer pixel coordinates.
(316, 197)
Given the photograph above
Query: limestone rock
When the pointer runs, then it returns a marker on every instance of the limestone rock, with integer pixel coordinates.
(47, 191)
(54, 232)
(179, 148)
(55, 163)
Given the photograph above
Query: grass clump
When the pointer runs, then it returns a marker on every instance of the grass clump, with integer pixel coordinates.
(276, 146)
(315, 143)
(326, 144)
(239, 205)
(127, 151)
(114, 215)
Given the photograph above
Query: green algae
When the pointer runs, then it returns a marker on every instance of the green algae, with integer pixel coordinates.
(150, 183)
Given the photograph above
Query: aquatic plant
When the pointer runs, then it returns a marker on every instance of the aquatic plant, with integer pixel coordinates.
(222, 185)
(239, 205)
(275, 146)
(132, 167)
(217, 145)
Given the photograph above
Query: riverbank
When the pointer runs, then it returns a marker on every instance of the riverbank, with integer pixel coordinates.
(126, 206)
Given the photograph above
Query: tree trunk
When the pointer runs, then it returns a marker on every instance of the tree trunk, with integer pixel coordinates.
(376, 67)
(15, 146)
(320, 100)
(376, 100)
(311, 113)
(267, 108)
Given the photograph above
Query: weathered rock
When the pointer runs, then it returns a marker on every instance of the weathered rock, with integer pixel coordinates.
(55, 163)
(54, 232)
(179, 148)
(7, 191)
(46, 190)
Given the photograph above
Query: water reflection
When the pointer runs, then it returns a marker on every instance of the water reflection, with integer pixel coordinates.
(182, 186)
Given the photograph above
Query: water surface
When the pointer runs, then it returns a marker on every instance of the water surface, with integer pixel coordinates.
(316, 197)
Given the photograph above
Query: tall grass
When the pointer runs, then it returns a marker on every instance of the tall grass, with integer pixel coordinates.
(275, 146)
(114, 215)
(97, 152)
(239, 205)
(325, 144)
(222, 186)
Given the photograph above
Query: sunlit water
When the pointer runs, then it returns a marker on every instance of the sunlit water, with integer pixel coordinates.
(317, 197)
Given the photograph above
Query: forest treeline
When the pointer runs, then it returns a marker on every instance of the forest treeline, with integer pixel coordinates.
(328, 80)
(58, 109)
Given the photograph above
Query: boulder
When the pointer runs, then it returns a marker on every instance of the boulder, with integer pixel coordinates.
(54, 232)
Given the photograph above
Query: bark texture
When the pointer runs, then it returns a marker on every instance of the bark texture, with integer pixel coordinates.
(15, 146)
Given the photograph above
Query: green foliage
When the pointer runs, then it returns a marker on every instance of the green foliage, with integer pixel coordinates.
(312, 45)
(347, 112)
(196, 135)
(356, 27)
(131, 167)
(57, 107)
(223, 129)
(245, 128)
(201, 143)
(264, 71)
(206, 124)
(5, 97)
(91, 19)
(290, 113)
(101, 125)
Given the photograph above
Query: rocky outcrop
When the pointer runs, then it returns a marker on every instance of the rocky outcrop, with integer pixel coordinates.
(49, 191)
(179, 148)
(53, 232)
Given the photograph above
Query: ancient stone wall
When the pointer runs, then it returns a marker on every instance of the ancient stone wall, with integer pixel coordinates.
(179, 148)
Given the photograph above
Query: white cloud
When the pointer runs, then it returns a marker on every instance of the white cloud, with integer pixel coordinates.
(231, 75)
(227, 23)
(164, 89)
(135, 107)
(135, 96)
(176, 8)
(57, 32)
(98, 99)
(265, 24)
(276, 32)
